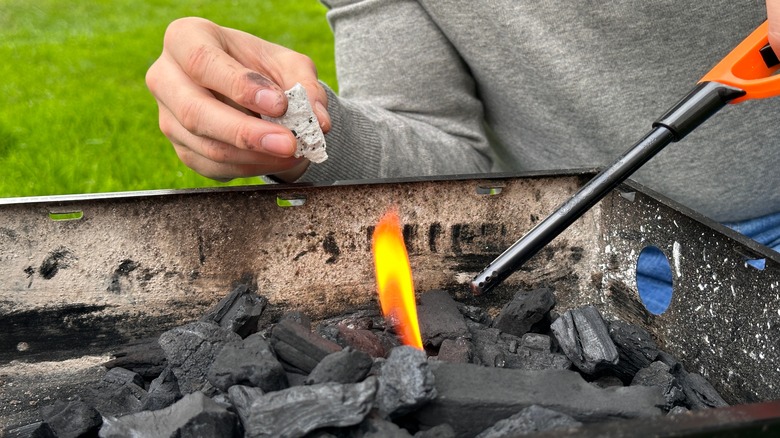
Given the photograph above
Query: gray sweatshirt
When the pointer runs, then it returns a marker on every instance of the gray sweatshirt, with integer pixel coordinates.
(442, 87)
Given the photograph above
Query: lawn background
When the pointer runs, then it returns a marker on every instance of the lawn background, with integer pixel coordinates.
(76, 116)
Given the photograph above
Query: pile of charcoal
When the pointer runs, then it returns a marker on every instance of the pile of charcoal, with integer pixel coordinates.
(246, 369)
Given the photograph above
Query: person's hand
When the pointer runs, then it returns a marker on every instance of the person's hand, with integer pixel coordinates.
(210, 83)
(773, 16)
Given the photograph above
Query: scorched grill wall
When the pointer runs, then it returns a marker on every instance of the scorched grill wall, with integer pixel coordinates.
(136, 264)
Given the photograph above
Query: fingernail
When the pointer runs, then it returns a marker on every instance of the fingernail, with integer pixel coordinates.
(322, 114)
(270, 101)
(277, 144)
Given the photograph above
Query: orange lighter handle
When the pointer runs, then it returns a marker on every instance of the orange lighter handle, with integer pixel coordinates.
(745, 68)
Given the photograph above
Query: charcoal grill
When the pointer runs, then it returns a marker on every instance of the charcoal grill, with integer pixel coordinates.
(82, 275)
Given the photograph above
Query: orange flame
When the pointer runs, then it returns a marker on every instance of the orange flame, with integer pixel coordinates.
(394, 278)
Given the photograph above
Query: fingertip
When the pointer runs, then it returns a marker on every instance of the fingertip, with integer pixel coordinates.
(322, 116)
(271, 102)
(282, 145)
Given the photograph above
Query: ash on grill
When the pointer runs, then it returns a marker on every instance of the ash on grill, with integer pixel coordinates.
(245, 370)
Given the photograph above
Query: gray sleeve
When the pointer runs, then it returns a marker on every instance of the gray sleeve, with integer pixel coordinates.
(408, 105)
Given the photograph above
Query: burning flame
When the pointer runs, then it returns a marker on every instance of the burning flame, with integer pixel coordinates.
(394, 278)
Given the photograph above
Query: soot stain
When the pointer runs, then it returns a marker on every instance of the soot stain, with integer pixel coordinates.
(125, 267)
(434, 231)
(331, 247)
(409, 233)
(56, 260)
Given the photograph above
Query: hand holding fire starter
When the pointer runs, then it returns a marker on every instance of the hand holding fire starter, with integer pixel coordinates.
(303, 123)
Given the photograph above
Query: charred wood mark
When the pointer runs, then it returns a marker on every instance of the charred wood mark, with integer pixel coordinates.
(434, 231)
(485, 237)
(628, 305)
(56, 260)
(410, 236)
(577, 253)
(201, 250)
(56, 333)
(9, 233)
(331, 247)
(124, 269)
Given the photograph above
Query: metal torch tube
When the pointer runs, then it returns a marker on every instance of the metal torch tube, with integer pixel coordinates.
(703, 101)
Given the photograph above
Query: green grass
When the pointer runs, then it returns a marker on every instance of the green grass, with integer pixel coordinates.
(76, 116)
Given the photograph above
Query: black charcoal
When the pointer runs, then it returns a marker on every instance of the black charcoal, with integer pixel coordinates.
(296, 411)
(531, 359)
(536, 341)
(374, 427)
(298, 317)
(70, 419)
(405, 383)
(361, 339)
(658, 374)
(530, 420)
(475, 313)
(297, 346)
(439, 318)
(458, 351)
(195, 415)
(471, 398)
(296, 379)
(34, 430)
(489, 349)
(607, 381)
(636, 348)
(191, 349)
(526, 309)
(242, 398)
(144, 357)
(584, 337)
(120, 392)
(163, 392)
(439, 431)
(247, 362)
(699, 393)
(239, 311)
(345, 366)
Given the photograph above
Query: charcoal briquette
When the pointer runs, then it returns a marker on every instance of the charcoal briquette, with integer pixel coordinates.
(584, 337)
(193, 415)
(458, 351)
(242, 398)
(362, 340)
(526, 309)
(636, 348)
(374, 427)
(296, 411)
(71, 419)
(658, 374)
(145, 358)
(439, 318)
(239, 311)
(472, 398)
(191, 349)
(120, 392)
(297, 346)
(438, 431)
(163, 392)
(248, 362)
(345, 366)
(405, 383)
(530, 420)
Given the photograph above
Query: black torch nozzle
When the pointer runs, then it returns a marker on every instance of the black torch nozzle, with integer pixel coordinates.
(702, 102)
